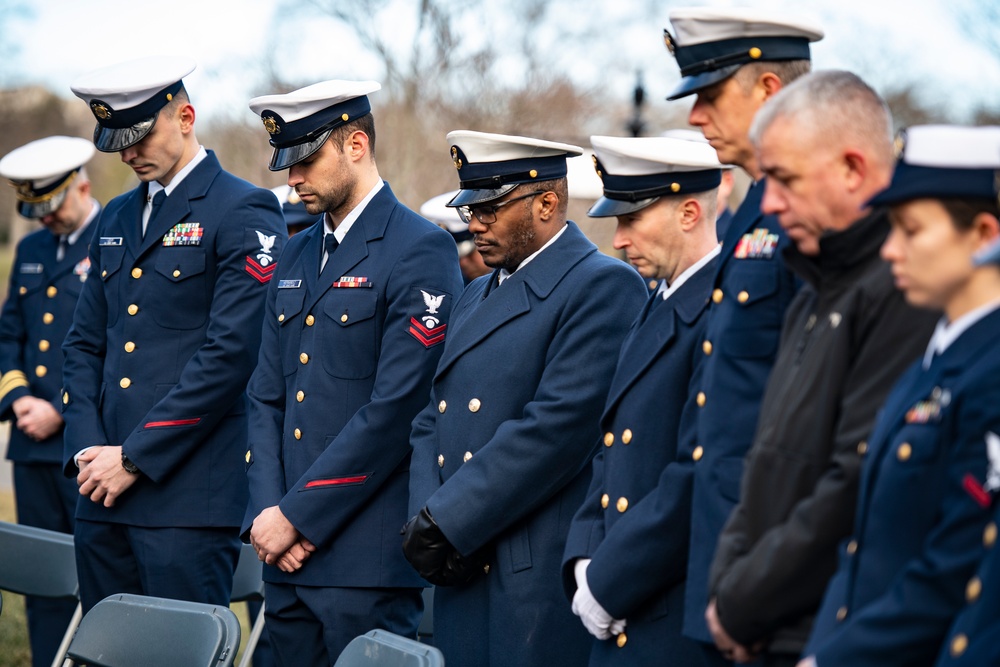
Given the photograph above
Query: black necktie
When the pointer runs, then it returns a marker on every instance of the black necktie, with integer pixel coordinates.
(154, 208)
(330, 243)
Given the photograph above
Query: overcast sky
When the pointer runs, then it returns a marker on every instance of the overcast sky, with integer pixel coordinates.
(235, 41)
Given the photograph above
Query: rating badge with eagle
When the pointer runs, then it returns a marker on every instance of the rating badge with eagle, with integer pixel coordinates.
(430, 324)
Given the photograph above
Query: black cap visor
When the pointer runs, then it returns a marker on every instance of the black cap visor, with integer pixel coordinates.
(609, 208)
(476, 197)
(285, 156)
(689, 85)
(112, 140)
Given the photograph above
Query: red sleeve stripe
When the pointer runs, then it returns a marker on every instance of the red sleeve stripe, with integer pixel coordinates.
(173, 422)
(337, 481)
(261, 273)
(426, 336)
(976, 490)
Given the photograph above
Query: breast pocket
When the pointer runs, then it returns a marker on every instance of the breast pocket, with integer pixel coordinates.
(110, 265)
(754, 316)
(352, 349)
(184, 299)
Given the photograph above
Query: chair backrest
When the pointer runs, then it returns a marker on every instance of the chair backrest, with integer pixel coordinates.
(127, 630)
(35, 561)
(380, 648)
(248, 582)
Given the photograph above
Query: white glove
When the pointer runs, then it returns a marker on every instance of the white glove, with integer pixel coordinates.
(597, 621)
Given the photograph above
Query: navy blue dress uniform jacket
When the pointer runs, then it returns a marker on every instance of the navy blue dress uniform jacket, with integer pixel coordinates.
(921, 513)
(346, 364)
(974, 637)
(635, 522)
(753, 288)
(163, 341)
(501, 452)
(36, 316)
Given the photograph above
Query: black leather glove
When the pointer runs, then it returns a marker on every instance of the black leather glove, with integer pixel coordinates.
(433, 556)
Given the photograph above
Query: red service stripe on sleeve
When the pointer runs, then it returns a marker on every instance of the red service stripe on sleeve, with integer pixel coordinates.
(425, 336)
(337, 481)
(261, 274)
(976, 490)
(173, 422)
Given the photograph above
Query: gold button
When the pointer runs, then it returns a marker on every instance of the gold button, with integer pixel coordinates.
(65, 398)
(129, 346)
(304, 358)
(700, 399)
(626, 436)
(51, 291)
(468, 455)
(474, 405)
(248, 456)
(706, 347)
(973, 589)
(842, 613)
(281, 318)
(440, 460)
(442, 406)
(622, 504)
(40, 371)
(177, 273)
(675, 187)
(958, 645)
(47, 318)
(344, 117)
(609, 439)
(852, 547)
(622, 639)
(43, 345)
(133, 309)
(124, 383)
(990, 534)
(743, 296)
(698, 452)
(904, 451)
(653, 283)
(300, 396)
(717, 295)
(486, 568)
(137, 273)
(754, 53)
(605, 500)
(104, 274)
(343, 318)
(297, 433)
(23, 290)
(310, 320)
(533, 173)
(862, 448)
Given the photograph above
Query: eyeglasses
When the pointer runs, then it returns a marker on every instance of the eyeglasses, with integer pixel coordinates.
(488, 214)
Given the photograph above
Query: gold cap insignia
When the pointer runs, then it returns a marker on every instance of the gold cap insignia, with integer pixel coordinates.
(100, 110)
(899, 143)
(668, 41)
(454, 157)
(271, 125)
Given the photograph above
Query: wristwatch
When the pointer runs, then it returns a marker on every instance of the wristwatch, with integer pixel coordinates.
(129, 466)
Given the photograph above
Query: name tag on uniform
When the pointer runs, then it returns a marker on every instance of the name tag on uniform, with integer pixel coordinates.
(31, 268)
(352, 281)
(110, 240)
(289, 284)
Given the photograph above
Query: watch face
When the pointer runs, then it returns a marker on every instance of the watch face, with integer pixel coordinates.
(128, 465)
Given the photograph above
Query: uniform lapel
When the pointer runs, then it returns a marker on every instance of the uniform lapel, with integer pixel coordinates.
(177, 206)
(131, 217)
(644, 345)
(743, 222)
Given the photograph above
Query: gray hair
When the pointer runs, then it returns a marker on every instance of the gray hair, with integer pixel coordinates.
(786, 70)
(835, 105)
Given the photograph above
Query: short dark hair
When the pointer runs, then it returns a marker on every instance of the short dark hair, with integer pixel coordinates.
(963, 211)
(364, 124)
(560, 186)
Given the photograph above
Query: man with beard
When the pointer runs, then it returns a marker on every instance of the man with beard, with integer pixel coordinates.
(353, 327)
(501, 452)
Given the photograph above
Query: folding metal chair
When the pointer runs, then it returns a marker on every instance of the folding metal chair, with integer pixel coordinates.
(380, 648)
(35, 561)
(248, 584)
(126, 630)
